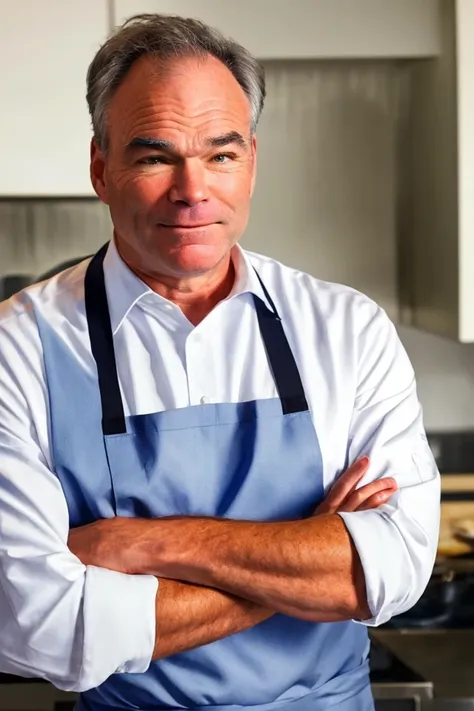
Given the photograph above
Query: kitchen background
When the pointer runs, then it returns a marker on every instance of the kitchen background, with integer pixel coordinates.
(366, 177)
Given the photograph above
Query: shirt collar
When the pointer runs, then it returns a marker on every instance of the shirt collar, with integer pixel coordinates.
(125, 289)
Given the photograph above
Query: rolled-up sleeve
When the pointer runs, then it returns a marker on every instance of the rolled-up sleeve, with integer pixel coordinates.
(59, 620)
(397, 542)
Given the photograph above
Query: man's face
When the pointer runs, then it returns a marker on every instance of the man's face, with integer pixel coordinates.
(180, 166)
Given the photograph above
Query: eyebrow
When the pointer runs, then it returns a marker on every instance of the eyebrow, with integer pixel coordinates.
(159, 144)
(226, 139)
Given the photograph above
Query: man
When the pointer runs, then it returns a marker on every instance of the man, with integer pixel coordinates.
(174, 411)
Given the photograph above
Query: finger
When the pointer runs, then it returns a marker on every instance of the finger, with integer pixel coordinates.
(376, 500)
(346, 483)
(382, 487)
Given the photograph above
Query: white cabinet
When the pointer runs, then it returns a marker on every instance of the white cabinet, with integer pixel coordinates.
(317, 29)
(437, 229)
(45, 49)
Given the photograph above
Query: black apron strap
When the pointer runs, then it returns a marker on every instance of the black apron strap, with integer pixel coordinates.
(282, 361)
(102, 345)
(285, 371)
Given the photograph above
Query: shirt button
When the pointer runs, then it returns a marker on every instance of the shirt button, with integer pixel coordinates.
(204, 400)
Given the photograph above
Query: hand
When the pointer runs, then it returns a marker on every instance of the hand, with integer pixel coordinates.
(113, 543)
(344, 497)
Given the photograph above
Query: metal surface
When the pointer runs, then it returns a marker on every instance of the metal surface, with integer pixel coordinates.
(451, 705)
(445, 657)
(418, 692)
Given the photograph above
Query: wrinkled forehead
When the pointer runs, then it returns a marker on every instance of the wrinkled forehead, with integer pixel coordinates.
(185, 100)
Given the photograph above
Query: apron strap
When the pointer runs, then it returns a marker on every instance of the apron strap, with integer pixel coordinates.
(282, 361)
(285, 371)
(102, 345)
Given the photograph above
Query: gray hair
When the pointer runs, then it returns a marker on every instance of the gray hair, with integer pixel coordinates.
(167, 37)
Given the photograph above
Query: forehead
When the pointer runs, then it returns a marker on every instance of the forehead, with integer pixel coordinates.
(187, 98)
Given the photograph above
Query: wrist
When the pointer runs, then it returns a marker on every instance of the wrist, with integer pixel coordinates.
(181, 548)
(146, 551)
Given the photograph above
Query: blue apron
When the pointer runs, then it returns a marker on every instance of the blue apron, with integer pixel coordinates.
(258, 460)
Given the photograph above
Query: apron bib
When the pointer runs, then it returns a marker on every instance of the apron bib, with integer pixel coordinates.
(257, 460)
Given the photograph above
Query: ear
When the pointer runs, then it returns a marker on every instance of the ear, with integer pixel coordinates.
(97, 171)
(254, 164)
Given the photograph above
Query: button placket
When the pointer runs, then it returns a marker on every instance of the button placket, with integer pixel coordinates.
(198, 371)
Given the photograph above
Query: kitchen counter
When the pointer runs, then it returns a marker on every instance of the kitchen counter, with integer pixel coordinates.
(445, 657)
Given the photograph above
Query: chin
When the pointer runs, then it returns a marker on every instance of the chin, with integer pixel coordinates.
(197, 258)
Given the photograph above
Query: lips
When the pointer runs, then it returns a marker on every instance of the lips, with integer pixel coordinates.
(187, 227)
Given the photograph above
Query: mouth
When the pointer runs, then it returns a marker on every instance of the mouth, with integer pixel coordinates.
(199, 226)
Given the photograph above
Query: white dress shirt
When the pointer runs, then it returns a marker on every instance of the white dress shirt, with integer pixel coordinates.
(75, 625)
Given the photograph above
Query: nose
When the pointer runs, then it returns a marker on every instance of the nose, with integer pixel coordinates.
(189, 183)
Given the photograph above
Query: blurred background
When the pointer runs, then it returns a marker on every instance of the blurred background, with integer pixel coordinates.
(366, 177)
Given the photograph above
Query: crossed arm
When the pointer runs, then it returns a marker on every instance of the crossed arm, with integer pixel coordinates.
(202, 599)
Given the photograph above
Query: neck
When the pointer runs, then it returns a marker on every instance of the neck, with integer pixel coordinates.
(196, 296)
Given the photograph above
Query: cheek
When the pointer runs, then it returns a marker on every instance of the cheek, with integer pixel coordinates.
(233, 188)
(139, 189)
(150, 189)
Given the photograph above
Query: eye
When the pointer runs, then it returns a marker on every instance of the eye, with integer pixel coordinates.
(153, 160)
(222, 158)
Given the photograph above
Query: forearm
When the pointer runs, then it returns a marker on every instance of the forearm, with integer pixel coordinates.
(307, 569)
(189, 616)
